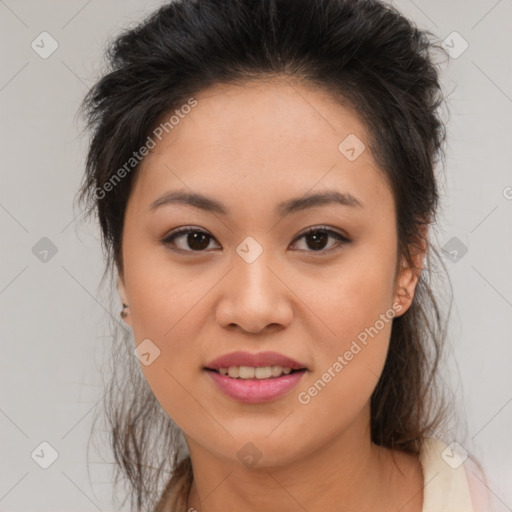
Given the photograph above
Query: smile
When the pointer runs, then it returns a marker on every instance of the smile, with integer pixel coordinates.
(255, 389)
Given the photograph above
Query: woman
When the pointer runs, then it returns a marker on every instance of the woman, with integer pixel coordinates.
(264, 177)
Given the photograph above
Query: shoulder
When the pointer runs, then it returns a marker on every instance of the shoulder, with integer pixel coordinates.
(453, 480)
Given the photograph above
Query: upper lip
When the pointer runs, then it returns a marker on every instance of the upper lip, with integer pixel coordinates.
(254, 360)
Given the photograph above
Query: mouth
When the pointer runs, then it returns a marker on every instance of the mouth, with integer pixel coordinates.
(255, 373)
(255, 378)
(250, 385)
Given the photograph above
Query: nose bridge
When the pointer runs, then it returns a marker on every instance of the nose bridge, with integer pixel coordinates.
(254, 296)
(252, 273)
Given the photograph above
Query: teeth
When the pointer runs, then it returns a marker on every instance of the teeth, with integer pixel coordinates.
(263, 372)
(249, 372)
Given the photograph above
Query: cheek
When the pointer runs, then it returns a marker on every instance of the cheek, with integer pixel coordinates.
(356, 309)
(347, 369)
(168, 307)
(161, 293)
(353, 296)
(175, 376)
(165, 305)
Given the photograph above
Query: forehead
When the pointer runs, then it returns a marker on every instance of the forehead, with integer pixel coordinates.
(276, 136)
(278, 115)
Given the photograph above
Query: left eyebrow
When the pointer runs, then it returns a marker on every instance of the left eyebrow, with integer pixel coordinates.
(284, 208)
(318, 199)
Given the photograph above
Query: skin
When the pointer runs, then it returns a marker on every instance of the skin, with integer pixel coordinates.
(250, 147)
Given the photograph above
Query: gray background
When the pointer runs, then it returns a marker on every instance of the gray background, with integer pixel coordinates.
(53, 327)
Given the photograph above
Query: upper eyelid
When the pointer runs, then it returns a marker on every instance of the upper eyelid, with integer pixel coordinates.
(191, 229)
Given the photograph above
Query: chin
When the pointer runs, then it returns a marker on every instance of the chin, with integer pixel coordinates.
(258, 452)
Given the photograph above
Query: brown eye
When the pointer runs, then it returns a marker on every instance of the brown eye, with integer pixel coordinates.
(317, 239)
(188, 239)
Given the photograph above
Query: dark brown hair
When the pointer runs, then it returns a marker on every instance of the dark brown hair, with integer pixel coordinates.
(369, 57)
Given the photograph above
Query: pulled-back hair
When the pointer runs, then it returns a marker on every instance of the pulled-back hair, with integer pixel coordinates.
(370, 59)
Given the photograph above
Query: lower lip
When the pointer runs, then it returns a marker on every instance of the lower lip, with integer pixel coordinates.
(252, 391)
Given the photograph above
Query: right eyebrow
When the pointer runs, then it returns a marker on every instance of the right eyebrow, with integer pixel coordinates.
(190, 199)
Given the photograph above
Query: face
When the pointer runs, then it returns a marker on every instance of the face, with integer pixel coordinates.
(246, 275)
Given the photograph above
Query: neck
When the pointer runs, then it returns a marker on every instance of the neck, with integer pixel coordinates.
(349, 471)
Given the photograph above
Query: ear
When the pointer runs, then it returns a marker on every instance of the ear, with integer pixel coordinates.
(124, 298)
(409, 274)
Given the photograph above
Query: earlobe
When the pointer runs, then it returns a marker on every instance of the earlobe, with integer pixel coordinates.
(403, 297)
(407, 281)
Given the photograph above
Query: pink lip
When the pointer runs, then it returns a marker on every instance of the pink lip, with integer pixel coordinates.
(252, 391)
(259, 359)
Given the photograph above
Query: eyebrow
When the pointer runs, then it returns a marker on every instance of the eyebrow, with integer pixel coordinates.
(284, 208)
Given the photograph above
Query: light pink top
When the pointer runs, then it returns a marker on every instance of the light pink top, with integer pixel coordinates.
(453, 482)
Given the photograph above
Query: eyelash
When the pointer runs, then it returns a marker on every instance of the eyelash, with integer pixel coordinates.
(342, 240)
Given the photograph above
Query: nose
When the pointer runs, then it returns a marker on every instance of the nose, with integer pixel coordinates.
(255, 298)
